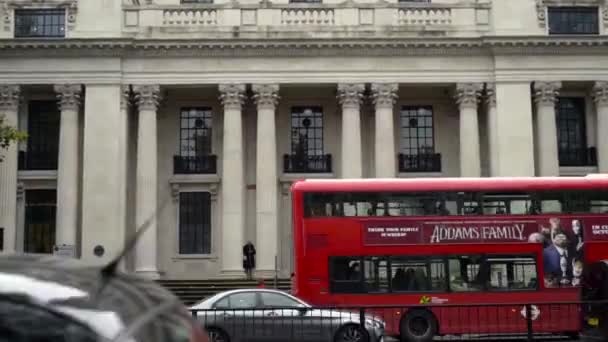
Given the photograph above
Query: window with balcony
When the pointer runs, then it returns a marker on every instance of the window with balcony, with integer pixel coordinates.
(417, 140)
(571, 133)
(573, 20)
(40, 23)
(40, 211)
(43, 137)
(195, 156)
(307, 154)
(194, 223)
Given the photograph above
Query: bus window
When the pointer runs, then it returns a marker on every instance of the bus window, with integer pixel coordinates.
(413, 275)
(375, 274)
(466, 273)
(551, 202)
(513, 273)
(345, 274)
(506, 204)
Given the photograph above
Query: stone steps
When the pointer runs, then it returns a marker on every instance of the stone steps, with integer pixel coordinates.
(192, 291)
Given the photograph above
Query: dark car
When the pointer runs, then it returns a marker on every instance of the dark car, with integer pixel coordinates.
(51, 299)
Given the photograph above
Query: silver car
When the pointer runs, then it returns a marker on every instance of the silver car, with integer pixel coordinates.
(255, 315)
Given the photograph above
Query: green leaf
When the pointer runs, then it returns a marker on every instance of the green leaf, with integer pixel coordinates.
(9, 135)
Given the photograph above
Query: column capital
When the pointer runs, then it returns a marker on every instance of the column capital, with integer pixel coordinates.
(232, 95)
(491, 94)
(545, 93)
(600, 93)
(9, 97)
(266, 95)
(384, 94)
(69, 96)
(125, 97)
(350, 94)
(147, 97)
(468, 94)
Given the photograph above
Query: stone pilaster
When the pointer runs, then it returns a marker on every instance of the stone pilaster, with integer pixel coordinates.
(233, 179)
(68, 172)
(600, 96)
(545, 96)
(9, 104)
(147, 99)
(350, 97)
(267, 235)
(467, 98)
(492, 128)
(384, 96)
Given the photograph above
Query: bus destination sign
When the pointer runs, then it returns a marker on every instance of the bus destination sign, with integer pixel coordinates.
(404, 232)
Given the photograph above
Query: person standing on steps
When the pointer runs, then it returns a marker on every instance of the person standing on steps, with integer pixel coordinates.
(249, 259)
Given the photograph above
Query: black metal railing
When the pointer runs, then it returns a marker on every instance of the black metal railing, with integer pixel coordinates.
(426, 162)
(578, 157)
(454, 322)
(38, 160)
(195, 165)
(307, 164)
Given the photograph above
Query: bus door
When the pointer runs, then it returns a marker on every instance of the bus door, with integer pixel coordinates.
(595, 289)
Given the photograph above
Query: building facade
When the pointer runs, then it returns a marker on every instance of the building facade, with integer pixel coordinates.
(192, 118)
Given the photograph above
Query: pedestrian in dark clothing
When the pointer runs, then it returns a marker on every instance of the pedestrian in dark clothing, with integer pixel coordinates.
(249, 259)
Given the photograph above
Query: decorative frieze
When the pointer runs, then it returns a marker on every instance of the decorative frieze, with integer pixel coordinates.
(232, 95)
(147, 97)
(68, 96)
(545, 93)
(9, 97)
(266, 95)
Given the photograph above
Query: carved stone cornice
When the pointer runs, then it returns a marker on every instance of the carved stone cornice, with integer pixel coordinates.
(266, 95)
(384, 94)
(71, 7)
(600, 93)
(490, 97)
(350, 95)
(147, 97)
(468, 94)
(545, 93)
(9, 97)
(232, 95)
(68, 96)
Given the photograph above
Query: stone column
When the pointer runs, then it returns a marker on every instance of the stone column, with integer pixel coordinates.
(147, 97)
(9, 104)
(68, 170)
(350, 97)
(266, 178)
(384, 96)
(545, 95)
(467, 97)
(600, 95)
(233, 179)
(492, 128)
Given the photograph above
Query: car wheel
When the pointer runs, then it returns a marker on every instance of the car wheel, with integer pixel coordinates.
(351, 333)
(418, 326)
(217, 335)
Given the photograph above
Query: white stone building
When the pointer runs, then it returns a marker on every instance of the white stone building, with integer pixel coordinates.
(209, 109)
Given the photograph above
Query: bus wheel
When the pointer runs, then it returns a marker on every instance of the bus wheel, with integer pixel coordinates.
(418, 326)
(351, 333)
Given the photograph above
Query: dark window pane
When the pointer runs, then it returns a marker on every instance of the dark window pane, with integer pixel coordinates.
(346, 275)
(376, 274)
(196, 131)
(194, 223)
(31, 23)
(40, 211)
(43, 136)
(573, 20)
(307, 131)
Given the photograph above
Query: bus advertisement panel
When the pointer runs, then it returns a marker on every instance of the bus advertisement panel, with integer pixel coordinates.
(451, 242)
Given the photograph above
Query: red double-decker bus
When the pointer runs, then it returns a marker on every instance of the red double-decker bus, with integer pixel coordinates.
(451, 242)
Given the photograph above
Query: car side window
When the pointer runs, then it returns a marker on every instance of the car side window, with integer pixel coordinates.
(245, 300)
(278, 301)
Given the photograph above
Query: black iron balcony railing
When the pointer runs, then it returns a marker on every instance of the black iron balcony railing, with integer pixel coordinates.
(195, 165)
(578, 157)
(307, 164)
(427, 162)
(38, 160)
